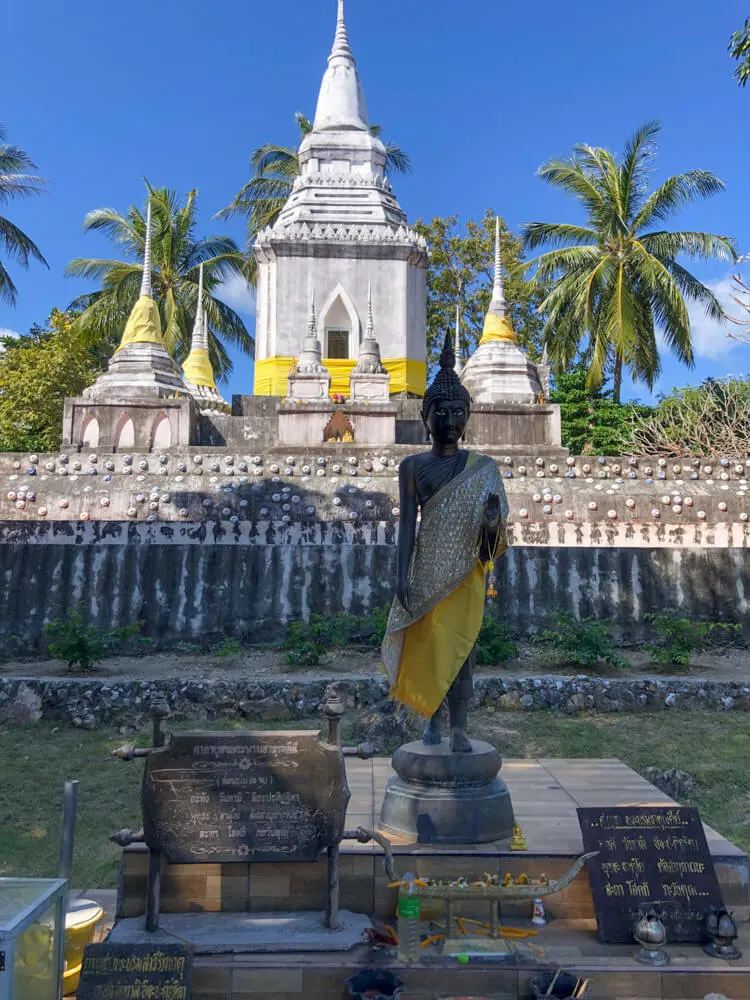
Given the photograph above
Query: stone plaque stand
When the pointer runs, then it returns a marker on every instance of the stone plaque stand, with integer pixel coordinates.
(440, 797)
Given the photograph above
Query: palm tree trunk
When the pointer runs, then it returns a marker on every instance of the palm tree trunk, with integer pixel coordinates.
(617, 385)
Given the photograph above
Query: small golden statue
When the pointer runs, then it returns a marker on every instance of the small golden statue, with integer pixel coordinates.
(518, 841)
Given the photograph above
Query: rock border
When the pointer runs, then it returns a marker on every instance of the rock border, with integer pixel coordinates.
(88, 703)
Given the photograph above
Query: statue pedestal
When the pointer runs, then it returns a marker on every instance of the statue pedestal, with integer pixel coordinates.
(440, 797)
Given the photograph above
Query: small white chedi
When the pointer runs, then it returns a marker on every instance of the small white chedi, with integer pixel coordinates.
(370, 381)
(499, 371)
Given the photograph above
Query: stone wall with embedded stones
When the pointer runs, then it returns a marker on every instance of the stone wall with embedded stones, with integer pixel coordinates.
(94, 702)
(203, 542)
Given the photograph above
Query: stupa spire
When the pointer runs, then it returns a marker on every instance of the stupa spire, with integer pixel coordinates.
(498, 290)
(146, 288)
(497, 325)
(312, 321)
(457, 347)
(341, 102)
(370, 331)
(341, 45)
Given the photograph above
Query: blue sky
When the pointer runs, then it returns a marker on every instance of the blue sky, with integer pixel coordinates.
(480, 93)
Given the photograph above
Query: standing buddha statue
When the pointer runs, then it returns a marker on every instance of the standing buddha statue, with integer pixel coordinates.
(429, 650)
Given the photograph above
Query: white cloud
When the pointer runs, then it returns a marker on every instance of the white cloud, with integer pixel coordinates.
(5, 332)
(236, 292)
(711, 340)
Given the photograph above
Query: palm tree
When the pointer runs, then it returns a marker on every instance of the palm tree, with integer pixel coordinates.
(16, 182)
(176, 255)
(274, 169)
(617, 280)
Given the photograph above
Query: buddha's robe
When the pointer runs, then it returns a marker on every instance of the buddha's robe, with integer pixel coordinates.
(423, 652)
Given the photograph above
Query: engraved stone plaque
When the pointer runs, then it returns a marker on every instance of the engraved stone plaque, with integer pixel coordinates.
(135, 972)
(244, 796)
(649, 855)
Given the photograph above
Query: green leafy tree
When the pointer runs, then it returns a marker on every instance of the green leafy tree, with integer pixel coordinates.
(16, 182)
(37, 372)
(273, 171)
(177, 254)
(739, 50)
(462, 270)
(617, 279)
(592, 423)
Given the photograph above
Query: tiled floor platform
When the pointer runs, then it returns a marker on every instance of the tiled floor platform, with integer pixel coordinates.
(545, 795)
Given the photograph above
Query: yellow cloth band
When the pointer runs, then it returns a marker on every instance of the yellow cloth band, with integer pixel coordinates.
(197, 368)
(438, 644)
(406, 375)
(498, 328)
(143, 325)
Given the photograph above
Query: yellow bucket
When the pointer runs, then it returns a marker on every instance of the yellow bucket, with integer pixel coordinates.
(80, 926)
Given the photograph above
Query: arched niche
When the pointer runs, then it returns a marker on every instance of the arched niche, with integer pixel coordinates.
(339, 326)
(90, 432)
(161, 433)
(124, 433)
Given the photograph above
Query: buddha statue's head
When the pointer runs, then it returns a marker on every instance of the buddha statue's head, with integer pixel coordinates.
(447, 404)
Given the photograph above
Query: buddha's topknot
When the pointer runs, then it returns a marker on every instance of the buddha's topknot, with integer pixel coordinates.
(446, 385)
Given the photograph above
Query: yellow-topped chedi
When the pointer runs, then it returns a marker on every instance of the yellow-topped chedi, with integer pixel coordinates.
(198, 369)
(497, 326)
(143, 325)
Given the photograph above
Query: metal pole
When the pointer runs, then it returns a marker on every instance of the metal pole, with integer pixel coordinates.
(153, 892)
(67, 837)
(332, 907)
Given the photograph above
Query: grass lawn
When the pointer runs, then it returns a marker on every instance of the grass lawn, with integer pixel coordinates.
(36, 759)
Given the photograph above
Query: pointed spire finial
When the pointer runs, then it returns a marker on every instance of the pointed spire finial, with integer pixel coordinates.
(199, 326)
(312, 322)
(457, 346)
(370, 332)
(341, 45)
(146, 288)
(341, 101)
(498, 291)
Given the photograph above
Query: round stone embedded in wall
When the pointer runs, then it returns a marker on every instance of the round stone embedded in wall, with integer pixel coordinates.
(62, 503)
(701, 515)
(43, 512)
(569, 514)
(723, 506)
(523, 512)
(593, 505)
(143, 465)
(655, 512)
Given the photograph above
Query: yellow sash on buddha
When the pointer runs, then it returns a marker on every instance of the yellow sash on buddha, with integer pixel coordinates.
(424, 651)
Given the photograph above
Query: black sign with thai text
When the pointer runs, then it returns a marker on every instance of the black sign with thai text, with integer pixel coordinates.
(135, 972)
(244, 796)
(654, 856)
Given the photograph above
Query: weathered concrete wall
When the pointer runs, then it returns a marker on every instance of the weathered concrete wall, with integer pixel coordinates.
(200, 580)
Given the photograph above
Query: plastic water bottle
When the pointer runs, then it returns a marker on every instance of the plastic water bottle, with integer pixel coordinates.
(409, 906)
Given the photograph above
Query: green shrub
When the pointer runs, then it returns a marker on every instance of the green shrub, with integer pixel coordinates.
(84, 645)
(304, 643)
(496, 643)
(380, 624)
(584, 643)
(680, 637)
(229, 647)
